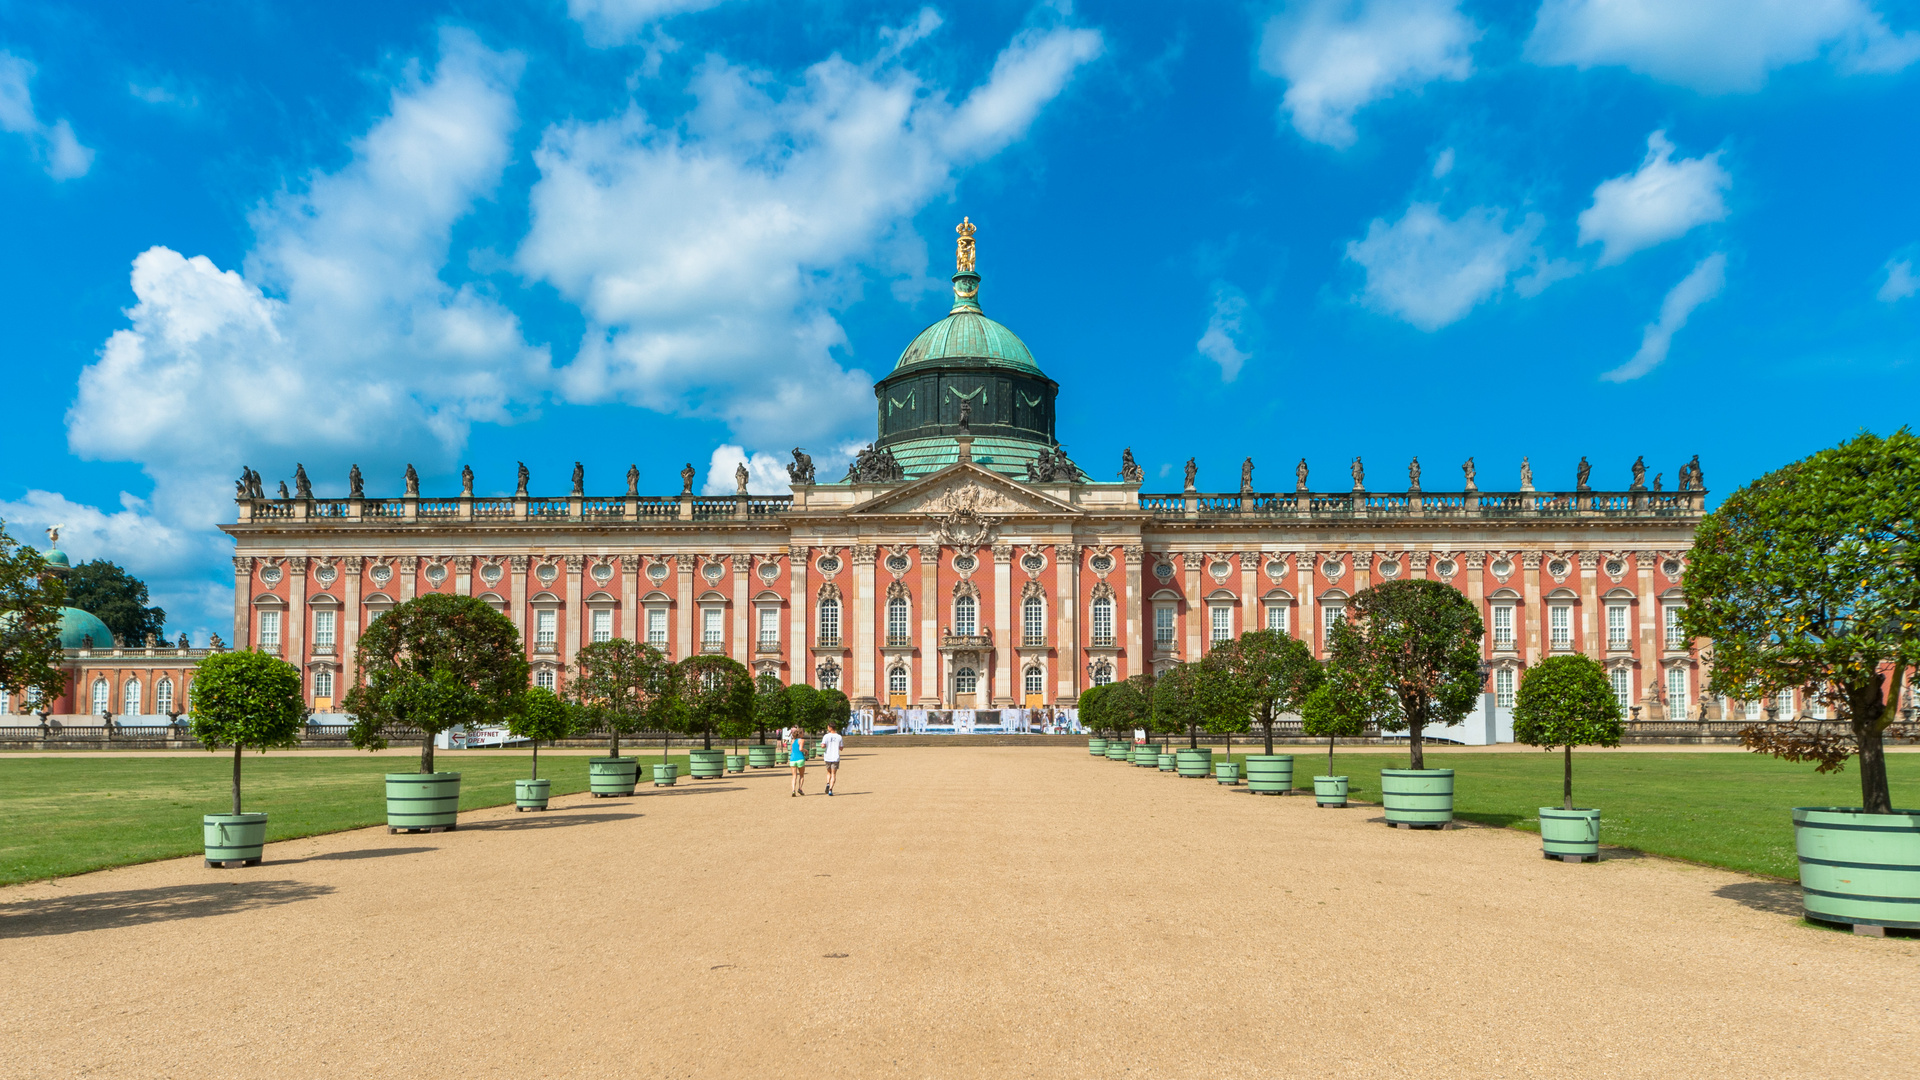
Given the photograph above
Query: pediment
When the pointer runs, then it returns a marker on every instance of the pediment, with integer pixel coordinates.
(965, 491)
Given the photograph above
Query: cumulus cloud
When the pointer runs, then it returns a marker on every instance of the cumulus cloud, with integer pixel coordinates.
(53, 144)
(1901, 281)
(1430, 270)
(164, 555)
(1221, 342)
(766, 473)
(708, 254)
(1718, 45)
(1700, 285)
(1662, 200)
(611, 22)
(1337, 56)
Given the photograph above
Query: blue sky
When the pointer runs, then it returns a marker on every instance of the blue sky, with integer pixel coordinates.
(659, 231)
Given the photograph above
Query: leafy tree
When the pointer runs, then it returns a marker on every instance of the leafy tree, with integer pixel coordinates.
(116, 598)
(1129, 705)
(1177, 701)
(1093, 707)
(1809, 579)
(1264, 675)
(1408, 653)
(830, 707)
(1320, 715)
(243, 699)
(1565, 701)
(30, 600)
(803, 701)
(622, 687)
(433, 662)
(772, 704)
(542, 714)
(717, 693)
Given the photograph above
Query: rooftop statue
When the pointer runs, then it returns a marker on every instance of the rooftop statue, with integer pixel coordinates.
(1699, 478)
(466, 481)
(1580, 475)
(633, 480)
(740, 478)
(800, 471)
(966, 417)
(1359, 473)
(1659, 480)
(1300, 475)
(253, 484)
(871, 466)
(1193, 470)
(520, 488)
(1246, 477)
(1130, 470)
(1467, 468)
(579, 479)
(356, 487)
(686, 479)
(1052, 467)
(1639, 474)
(1526, 475)
(963, 248)
(283, 490)
(302, 487)
(413, 482)
(184, 643)
(1413, 475)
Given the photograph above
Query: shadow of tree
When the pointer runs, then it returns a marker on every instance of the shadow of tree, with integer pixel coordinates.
(551, 819)
(362, 853)
(1772, 897)
(1498, 821)
(138, 907)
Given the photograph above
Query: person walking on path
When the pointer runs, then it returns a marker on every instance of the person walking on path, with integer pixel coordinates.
(830, 753)
(797, 757)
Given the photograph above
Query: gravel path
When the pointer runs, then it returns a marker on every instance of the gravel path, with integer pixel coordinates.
(993, 912)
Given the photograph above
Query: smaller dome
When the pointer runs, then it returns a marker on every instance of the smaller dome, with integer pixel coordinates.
(969, 335)
(76, 626)
(56, 557)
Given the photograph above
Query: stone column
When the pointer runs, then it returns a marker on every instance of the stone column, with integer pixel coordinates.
(1650, 675)
(861, 611)
(296, 628)
(1306, 613)
(517, 596)
(685, 644)
(1190, 565)
(1136, 616)
(1592, 618)
(1474, 565)
(742, 608)
(1003, 673)
(931, 605)
(1067, 603)
(242, 612)
(1534, 606)
(350, 617)
(630, 596)
(1250, 613)
(574, 620)
(798, 607)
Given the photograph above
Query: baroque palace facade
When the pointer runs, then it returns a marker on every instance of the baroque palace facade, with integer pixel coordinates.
(966, 561)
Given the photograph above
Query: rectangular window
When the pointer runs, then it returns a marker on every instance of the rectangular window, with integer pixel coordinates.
(1503, 626)
(964, 622)
(657, 627)
(1617, 626)
(1676, 637)
(323, 623)
(1560, 626)
(6, 701)
(323, 684)
(546, 628)
(1277, 617)
(602, 624)
(1755, 710)
(1330, 614)
(710, 626)
(1033, 619)
(1676, 693)
(898, 617)
(269, 629)
(769, 628)
(1622, 680)
(1163, 624)
(1222, 617)
(829, 625)
(1783, 704)
(1503, 688)
(1103, 622)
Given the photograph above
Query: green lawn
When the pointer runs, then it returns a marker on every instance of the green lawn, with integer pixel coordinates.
(1729, 809)
(72, 815)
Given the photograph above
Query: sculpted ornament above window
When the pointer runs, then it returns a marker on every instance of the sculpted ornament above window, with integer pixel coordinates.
(1445, 568)
(657, 572)
(1163, 571)
(829, 565)
(490, 573)
(546, 572)
(1389, 568)
(1276, 569)
(1033, 562)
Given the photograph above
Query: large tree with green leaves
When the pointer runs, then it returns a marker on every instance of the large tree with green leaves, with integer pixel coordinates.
(431, 663)
(1129, 706)
(1408, 653)
(540, 715)
(1322, 718)
(623, 686)
(116, 598)
(1263, 675)
(30, 601)
(717, 695)
(829, 706)
(803, 703)
(247, 699)
(1093, 707)
(1565, 702)
(772, 705)
(1809, 579)
(1178, 701)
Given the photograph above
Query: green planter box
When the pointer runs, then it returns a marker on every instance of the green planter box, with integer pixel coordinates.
(736, 763)
(707, 764)
(1330, 791)
(1859, 868)
(1165, 761)
(1146, 756)
(1192, 763)
(610, 776)
(1118, 749)
(234, 838)
(1417, 798)
(531, 794)
(422, 801)
(1570, 835)
(1227, 772)
(665, 774)
(761, 756)
(1097, 747)
(1269, 774)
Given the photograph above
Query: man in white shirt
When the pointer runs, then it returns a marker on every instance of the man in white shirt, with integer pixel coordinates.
(830, 753)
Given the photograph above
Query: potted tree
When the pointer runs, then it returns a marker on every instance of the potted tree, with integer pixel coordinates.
(830, 707)
(618, 686)
(1178, 707)
(1808, 579)
(244, 699)
(1270, 674)
(1093, 717)
(1565, 702)
(772, 708)
(541, 715)
(429, 664)
(1408, 653)
(1320, 716)
(1129, 709)
(717, 694)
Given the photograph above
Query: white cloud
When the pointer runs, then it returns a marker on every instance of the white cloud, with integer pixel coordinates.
(1221, 342)
(1443, 164)
(1663, 200)
(54, 144)
(1337, 56)
(1431, 270)
(766, 473)
(707, 255)
(611, 22)
(1901, 281)
(1700, 285)
(1718, 45)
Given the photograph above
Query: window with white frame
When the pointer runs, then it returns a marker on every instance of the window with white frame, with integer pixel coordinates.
(966, 621)
(713, 627)
(828, 622)
(1503, 688)
(1817, 707)
(323, 683)
(162, 695)
(1676, 693)
(965, 681)
(544, 678)
(1755, 710)
(1783, 704)
(1221, 622)
(102, 696)
(1033, 619)
(546, 629)
(6, 701)
(657, 627)
(324, 620)
(1331, 612)
(897, 682)
(1622, 681)
(899, 616)
(601, 624)
(1676, 637)
(1503, 626)
(130, 701)
(1560, 626)
(769, 627)
(1103, 621)
(1277, 617)
(1163, 624)
(269, 629)
(1035, 683)
(1617, 636)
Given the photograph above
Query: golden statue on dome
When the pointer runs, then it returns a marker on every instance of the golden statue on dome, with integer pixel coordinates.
(963, 253)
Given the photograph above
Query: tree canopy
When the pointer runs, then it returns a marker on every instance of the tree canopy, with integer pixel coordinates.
(1177, 701)
(1408, 654)
(30, 601)
(622, 686)
(433, 662)
(1263, 675)
(541, 715)
(717, 694)
(1322, 718)
(772, 705)
(1565, 702)
(1129, 705)
(116, 598)
(1809, 579)
(246, 699)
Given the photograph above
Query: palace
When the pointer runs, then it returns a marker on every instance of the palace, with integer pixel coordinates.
(965, 560)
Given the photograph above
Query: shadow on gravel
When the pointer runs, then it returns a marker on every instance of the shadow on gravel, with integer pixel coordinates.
(678, 790)
(1498, 821)
(138, 907)
(361, 853)
(530, 821)
(1771, 897)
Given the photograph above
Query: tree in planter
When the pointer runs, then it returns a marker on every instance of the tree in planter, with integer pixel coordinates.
(433, 662)
(717, 695)
(1408, 652)
(542, 714)
(830, 707)
(1321, 717)
(247, 699)
(30, 600)
(1130, 706)
(772, 705)
(1177, 702)
(1565, 702)
(1093, 707)
(1263, 675)
(1809, 578)
(621, 687)
(803, 701)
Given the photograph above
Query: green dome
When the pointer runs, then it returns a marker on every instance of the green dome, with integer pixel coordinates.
(56, 557)
(969, 335)
(77, 625)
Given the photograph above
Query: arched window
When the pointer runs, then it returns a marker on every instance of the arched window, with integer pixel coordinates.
(829, 622)
(163, 695)
(897, 682)
(130, 699)
(543, 678)
(102, 696)
(1103, 621)
(323, 683)
(6, 701)
(965, 681)
(1036, 683)
(965, 617)
(1033, 619)
(897, 632)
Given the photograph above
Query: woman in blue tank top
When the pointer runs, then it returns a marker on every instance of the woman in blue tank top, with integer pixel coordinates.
(797, 757)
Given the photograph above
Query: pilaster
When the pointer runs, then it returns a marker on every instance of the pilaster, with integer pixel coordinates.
(1535, 607)
(931, 605)
(798, 605)
(862, 610)
(684, 644)
(574, 619)
(742, 611)
(1136, 659)
(295, 632)
(517, 589)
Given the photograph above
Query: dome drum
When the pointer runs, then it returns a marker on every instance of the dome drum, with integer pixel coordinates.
(925, 403)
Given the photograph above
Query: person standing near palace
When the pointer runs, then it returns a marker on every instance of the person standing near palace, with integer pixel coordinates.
(797, 759)
(830, 753)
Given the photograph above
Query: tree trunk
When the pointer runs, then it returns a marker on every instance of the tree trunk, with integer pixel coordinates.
(1417, 758)
(1868, 708)
(1266, 724)
(614, 745)
(236, 777)
(1566, 783)
(1193, 736)
(706, 739)
(536, 760)
(1330, 755)
(426, 754)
